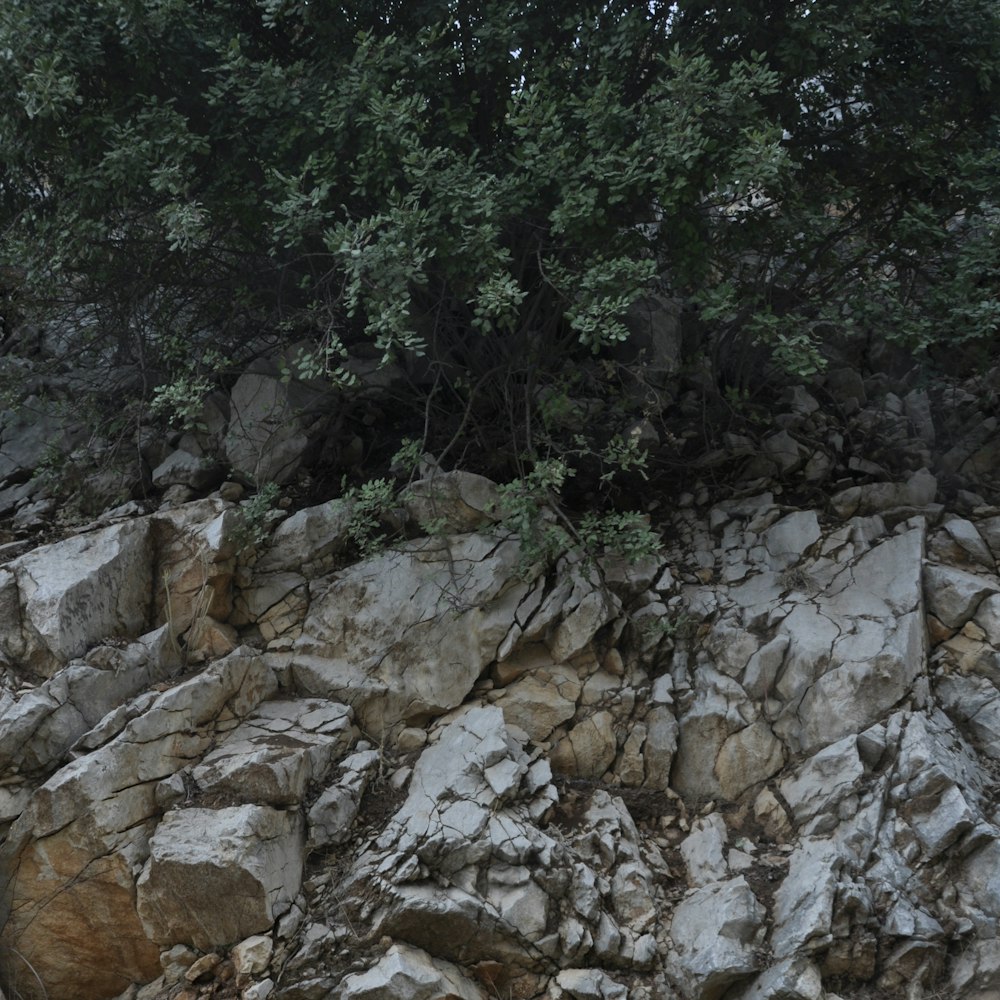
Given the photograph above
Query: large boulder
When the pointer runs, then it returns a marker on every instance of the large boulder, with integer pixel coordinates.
(405, 635)
(196, 558)
(715, 934)
(69, 862)
(272, 425)
(406, 973)
(216, 876)
(71, 594)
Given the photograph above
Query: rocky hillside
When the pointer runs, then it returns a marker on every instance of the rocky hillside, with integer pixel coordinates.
(236, 761)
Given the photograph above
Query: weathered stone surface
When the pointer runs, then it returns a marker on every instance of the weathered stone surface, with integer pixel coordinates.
(195, 563)
(78, 591)
(975, 703)
(918, 491)
(273, 756)
(718, 711)
(703, 851)
(791, 653)
(197, 471)
(407, 973)
(208, 639)
(587, 608)
(976, 973)
(466, 874)
(69, 862)
(782, 449)
(822, 783)
(954, 595)
(748, 757)
(271, 427)
(967, 537)
(37, 730)
(715, 933)
(452, 501)
(388, 637)
(589, 748)
(219, 875)
(855, 649)
(788, 540)
(332, 814)
(937, 783)
(792, 979)
(307, 543)
(590, 984)
(29, 431)
(659, 748)
(540, 700)
(803, 904)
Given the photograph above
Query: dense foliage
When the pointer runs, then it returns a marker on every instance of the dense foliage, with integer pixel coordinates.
(488, 186)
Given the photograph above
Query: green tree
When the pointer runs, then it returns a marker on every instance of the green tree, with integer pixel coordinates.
(489, 185)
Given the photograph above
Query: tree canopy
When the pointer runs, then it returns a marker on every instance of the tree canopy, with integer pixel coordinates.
(488, 186)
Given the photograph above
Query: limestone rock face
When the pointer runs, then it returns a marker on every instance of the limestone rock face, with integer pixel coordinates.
(381, 638)
(271, 427)
(759, 766)
(272, 757)
(405, 635)
(407, 973)
(37, 730)
(215, 876)
(455, 501)
(69, 860)
(715, 932)
(73, 593)
(195, 564)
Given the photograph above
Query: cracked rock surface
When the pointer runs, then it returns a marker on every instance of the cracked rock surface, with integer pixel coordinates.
(763, 766)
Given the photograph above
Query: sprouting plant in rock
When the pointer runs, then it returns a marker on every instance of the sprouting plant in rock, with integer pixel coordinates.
(674, 626)
(531, 507)
(627, 534)
(369, 503)
(256, 518)
(182, 400)
(796, 578)
(527, 506)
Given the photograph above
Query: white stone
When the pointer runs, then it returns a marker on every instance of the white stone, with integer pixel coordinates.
(703, 851)
(70, 859)
(954, 595)
(78, 591)
(715, 933)
(252, 955)
(791, 979)
(275, 754)
(219, 875)
(965, 534)
(452, 501)
(803, 904)
(408, 973)
(818, 785)
(590, 984)
(632, 896)
(258, 991)
(788, 540)
(387, 637)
